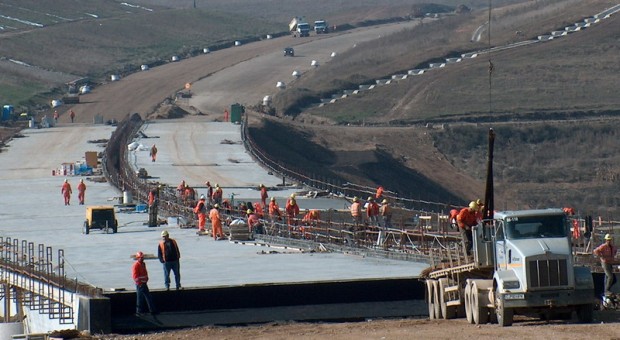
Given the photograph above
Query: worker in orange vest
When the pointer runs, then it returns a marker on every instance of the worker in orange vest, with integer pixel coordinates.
(66, 191)
(201, 211)
(169, 255)
(372, 211)
(81, 191)
(218, 193)
(216, 223)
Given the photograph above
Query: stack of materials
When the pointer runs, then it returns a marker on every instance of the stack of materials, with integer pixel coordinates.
(239, 231)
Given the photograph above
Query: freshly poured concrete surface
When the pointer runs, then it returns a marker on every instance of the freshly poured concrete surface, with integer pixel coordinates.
(32, 209)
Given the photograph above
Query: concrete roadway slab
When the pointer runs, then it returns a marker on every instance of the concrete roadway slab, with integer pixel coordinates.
(32, 209)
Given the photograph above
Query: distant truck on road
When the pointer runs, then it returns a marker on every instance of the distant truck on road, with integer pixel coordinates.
(298, 27)
(320, 27)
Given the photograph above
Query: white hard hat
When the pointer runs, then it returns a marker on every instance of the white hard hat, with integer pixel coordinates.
(202, 197)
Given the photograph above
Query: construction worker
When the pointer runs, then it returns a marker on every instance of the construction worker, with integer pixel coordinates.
(181, 189)
(189, 194)
(274, 210)
(55, 117)
(72, 115)
(66, 192)
(141, 277)
(372, 211)
(153, 153)
(209, 192)
(153, 206)
(607, 253)
(292, 210)
(310, 220)
(453, 214)
(81, 191)
(258, 210)
(386, 213)
(218, 193)
(169, 255)
(201, 211)
(466, 219)
(216, 223)
(356, 211)
(379, 193)
(254, 223)
(480, 212)
(263, 195)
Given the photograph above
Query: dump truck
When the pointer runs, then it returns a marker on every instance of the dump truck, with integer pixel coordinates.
(522, 264)
(320, 27)
(298, 27)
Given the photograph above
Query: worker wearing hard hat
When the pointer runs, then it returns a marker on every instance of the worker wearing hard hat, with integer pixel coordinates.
(466, 219)
(274, 210)
(254, 223)
(66, 191)
(292, 210)
(81, 191)
(201, 211)
(372, 211)
(386, 214)
(217, 194)
(140, 277)
(216, 223)
(169, 255)
(607, 253)
(356, 211)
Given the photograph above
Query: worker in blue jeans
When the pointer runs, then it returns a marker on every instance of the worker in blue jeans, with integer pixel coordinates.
(169, 255)
(141, 277)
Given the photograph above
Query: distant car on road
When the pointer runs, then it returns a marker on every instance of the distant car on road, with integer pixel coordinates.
(289, 51)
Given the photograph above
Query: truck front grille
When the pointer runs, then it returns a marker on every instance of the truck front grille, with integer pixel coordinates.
(548, 273)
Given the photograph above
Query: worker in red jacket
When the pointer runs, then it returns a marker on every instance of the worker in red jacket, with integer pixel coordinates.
(141, 277)
(292, 210)
(466, 219)
(66, 192)
(274, 210)
(372, 211)
(81, 191)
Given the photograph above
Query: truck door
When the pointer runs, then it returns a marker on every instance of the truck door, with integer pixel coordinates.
(501, 258)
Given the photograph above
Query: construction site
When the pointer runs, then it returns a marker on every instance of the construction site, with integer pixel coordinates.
(64, 271)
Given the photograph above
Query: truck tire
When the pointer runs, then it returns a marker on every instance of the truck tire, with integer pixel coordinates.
(504, 316)
(436, 300)
(447, 312)
(480, 313)
(429, 299)
(585, 313)
(468, 314)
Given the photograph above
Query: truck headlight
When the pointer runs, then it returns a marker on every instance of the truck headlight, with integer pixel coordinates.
(511, 284)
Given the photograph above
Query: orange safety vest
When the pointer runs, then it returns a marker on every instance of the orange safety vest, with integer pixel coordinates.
(162, 247)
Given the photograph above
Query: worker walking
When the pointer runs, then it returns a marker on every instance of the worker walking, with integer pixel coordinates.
(169, 254)
(81, 191)
(356, 211)
(466, 219)
(66, 192)
(263, 195)
(216, 223)
(607, 253)
(201, 211)
(153, 153)
(141, 277)
(72, 115)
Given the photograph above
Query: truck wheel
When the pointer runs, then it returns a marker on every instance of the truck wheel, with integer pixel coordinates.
(447, 312)
(437, 303)
(504, 316)
(480, 313)
(585, 313)
(468, 313)
(85, 229)
(429, 299)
